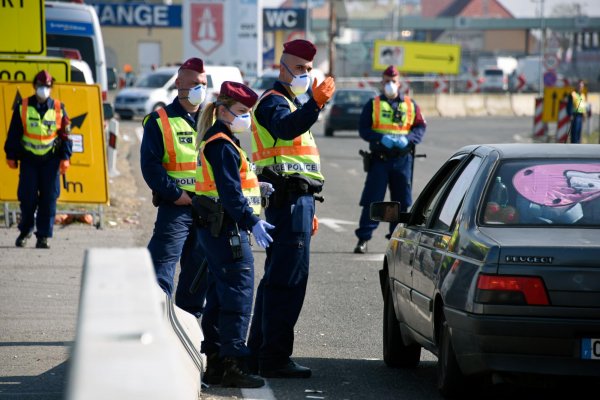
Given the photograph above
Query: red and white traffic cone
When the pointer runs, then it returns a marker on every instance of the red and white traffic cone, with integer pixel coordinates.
(563, 123)
(540, 128)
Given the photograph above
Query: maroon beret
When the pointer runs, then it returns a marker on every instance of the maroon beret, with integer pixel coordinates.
(239, 92)
(43, 78)
(301, 48)
(391, 71)
(195, 64)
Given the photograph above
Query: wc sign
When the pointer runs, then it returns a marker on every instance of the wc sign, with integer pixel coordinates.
(275, 19)
(207, 27)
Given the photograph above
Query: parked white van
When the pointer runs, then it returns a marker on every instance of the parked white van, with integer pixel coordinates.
(157, 89)
(76, 26)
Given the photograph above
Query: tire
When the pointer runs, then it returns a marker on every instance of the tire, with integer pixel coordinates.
(396, 354)
(125, 117)
(451, 381)
(328, 132)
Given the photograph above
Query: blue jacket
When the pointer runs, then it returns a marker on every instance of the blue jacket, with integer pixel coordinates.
(225, 162)
(14, 149)
(365, 131)
(275, 115)
(152, 151)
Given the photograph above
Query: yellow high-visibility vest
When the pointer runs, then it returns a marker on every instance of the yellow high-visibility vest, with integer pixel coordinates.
(39, 133)
(383, 117)
(579, 103)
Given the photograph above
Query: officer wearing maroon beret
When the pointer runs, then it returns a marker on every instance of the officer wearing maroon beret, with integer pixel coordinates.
(38, 137)
(283, 144)
(168, 163)
(225, 174)
(392, 124)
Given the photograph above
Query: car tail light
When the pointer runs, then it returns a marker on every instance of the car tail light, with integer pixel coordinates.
(505, 289)
(336, 110)
(72, 54)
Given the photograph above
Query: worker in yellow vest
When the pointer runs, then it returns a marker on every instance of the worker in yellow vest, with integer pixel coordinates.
(286, 154)
(38, 140)
(577, 108)
(229, 205)
(168, 161)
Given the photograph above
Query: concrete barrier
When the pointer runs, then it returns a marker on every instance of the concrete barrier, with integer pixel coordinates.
(451, 105)
(427, 104)
(523, 104)
(499, 105)
(474, 105)
(125, 348)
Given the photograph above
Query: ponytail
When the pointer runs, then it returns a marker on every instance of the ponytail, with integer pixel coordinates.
(204, 122)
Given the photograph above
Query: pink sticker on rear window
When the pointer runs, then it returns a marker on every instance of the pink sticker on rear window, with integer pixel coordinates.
(557, 185)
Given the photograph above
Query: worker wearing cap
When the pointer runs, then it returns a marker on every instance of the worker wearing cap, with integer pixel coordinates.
(392, 123)
(38, 141)
(168, 161)
(577, 109)
(226, 176)
(283, 144)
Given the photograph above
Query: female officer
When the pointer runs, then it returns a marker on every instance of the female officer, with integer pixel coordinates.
(225, 177)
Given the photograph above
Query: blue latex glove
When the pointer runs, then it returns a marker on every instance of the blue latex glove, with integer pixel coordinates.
(259, 230)
(400, 141)
(388, 141)
(266, 189)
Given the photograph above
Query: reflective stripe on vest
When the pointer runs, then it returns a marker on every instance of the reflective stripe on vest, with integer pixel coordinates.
(205, 179)
(298, 155)
(39, 133)
(179, 158)
(383, 117)
(579, 103)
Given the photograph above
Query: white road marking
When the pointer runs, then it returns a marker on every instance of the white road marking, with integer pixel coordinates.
(334, 224)
(335, 165)
(263, 393)
(369, 257)
(352, 172)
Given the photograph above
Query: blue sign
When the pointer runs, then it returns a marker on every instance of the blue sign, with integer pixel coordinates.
(69, 28)
(549, 78)
(275, 19)
(140, 15)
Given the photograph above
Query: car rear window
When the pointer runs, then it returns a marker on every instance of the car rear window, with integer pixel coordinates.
(358, 97)
(157, 80)
(549, 192)
(493, 72)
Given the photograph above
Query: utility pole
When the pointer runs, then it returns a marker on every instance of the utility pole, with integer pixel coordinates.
(331, 37)
(542, 48)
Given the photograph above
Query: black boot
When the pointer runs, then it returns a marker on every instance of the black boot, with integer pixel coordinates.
(287, 370)
(361, 247)
(22, 239)
(42, 243)
(235, 376)
(214, 370)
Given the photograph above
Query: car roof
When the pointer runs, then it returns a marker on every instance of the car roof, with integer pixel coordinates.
(535, 150)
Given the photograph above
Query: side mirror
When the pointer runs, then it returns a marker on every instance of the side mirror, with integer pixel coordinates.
(388, 211)
(108, 110)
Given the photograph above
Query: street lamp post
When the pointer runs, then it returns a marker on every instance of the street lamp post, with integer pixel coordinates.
(542, 48)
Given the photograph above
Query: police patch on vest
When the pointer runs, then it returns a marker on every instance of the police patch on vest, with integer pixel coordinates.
(185, 181)
(296, 167)
(186, 140)
(253, 200)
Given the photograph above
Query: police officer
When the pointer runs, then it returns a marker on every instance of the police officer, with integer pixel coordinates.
(282, 143)
(168, 162)
(38, 137)
(577, 108)
(392, 124)
(226, 176)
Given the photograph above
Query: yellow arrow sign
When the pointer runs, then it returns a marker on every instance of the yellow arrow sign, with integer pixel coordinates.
(25, 69)
(419, 57)
(23, 27)
(552, 98)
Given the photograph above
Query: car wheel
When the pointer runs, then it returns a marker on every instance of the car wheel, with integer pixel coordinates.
(328, 132)
(395, 352)
(451, 381)
(125, 117)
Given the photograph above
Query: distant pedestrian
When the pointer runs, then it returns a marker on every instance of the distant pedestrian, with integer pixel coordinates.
(576, 108)
(38, 140)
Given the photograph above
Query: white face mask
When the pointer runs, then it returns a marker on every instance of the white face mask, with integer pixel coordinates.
(241, 123)
(43, 92)
(390, 90)
(299, 84)
(197, 95)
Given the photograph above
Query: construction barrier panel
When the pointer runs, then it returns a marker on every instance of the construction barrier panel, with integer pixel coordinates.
(563, 124)
(450, 105)
(475, 105)
(540, 128)
(522, 104)
(498, 105)
(427, 104)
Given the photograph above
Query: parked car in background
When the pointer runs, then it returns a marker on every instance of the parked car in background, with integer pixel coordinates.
(344, 109)
(495, 268)
(157, 89)
(494, 80)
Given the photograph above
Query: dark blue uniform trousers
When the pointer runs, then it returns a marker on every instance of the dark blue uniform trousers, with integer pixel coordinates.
(175, 238)
(281, 291)
(576, 125)
(229, 299)
(395, 172)
(38, 189)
